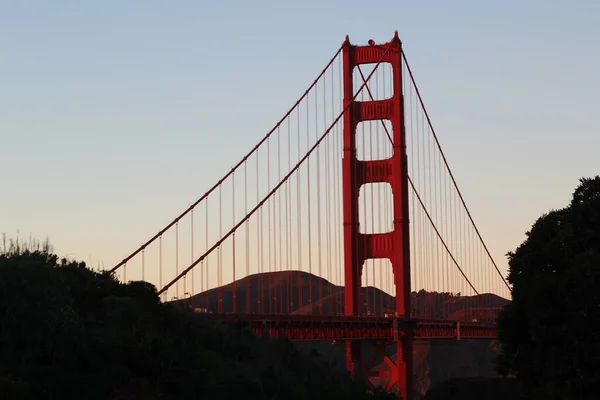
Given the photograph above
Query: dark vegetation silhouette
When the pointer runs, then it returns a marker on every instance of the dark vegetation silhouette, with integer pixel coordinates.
(549, 332)
(476, 388)
(67, 332)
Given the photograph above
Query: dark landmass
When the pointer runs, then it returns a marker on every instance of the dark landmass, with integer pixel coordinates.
(476, 388)
(291, 292)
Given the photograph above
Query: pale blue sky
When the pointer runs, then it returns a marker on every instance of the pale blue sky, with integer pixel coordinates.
(115, 115)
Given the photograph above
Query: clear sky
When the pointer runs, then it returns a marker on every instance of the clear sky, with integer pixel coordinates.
(115, 115)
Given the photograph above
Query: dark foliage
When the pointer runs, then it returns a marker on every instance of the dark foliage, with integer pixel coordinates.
(549, 332)
(476, 388)
(67, 332)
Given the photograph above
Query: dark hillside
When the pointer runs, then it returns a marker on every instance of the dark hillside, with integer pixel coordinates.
(290, 292)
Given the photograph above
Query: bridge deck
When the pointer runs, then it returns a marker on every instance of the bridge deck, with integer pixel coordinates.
(309, 327)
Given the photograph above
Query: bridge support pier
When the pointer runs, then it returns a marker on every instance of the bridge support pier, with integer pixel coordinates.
(393, 377)
(394, 245)
(380, 369)
(354, 355)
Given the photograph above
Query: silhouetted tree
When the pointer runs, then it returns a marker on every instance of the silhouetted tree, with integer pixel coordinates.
(549, 332)
(67, 332)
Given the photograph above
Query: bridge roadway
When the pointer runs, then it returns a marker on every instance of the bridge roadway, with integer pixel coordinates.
(311, 327)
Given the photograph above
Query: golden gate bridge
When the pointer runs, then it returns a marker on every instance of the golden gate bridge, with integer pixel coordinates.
(344, 222)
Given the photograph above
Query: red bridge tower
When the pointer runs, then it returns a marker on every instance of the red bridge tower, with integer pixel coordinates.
(392, 245)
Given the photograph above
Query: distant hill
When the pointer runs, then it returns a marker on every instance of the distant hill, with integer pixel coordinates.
(296, 292)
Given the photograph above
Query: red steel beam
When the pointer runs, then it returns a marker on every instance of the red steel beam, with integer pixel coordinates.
(308, 327)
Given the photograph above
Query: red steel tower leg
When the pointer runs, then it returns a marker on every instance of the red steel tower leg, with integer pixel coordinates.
(392, 245)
